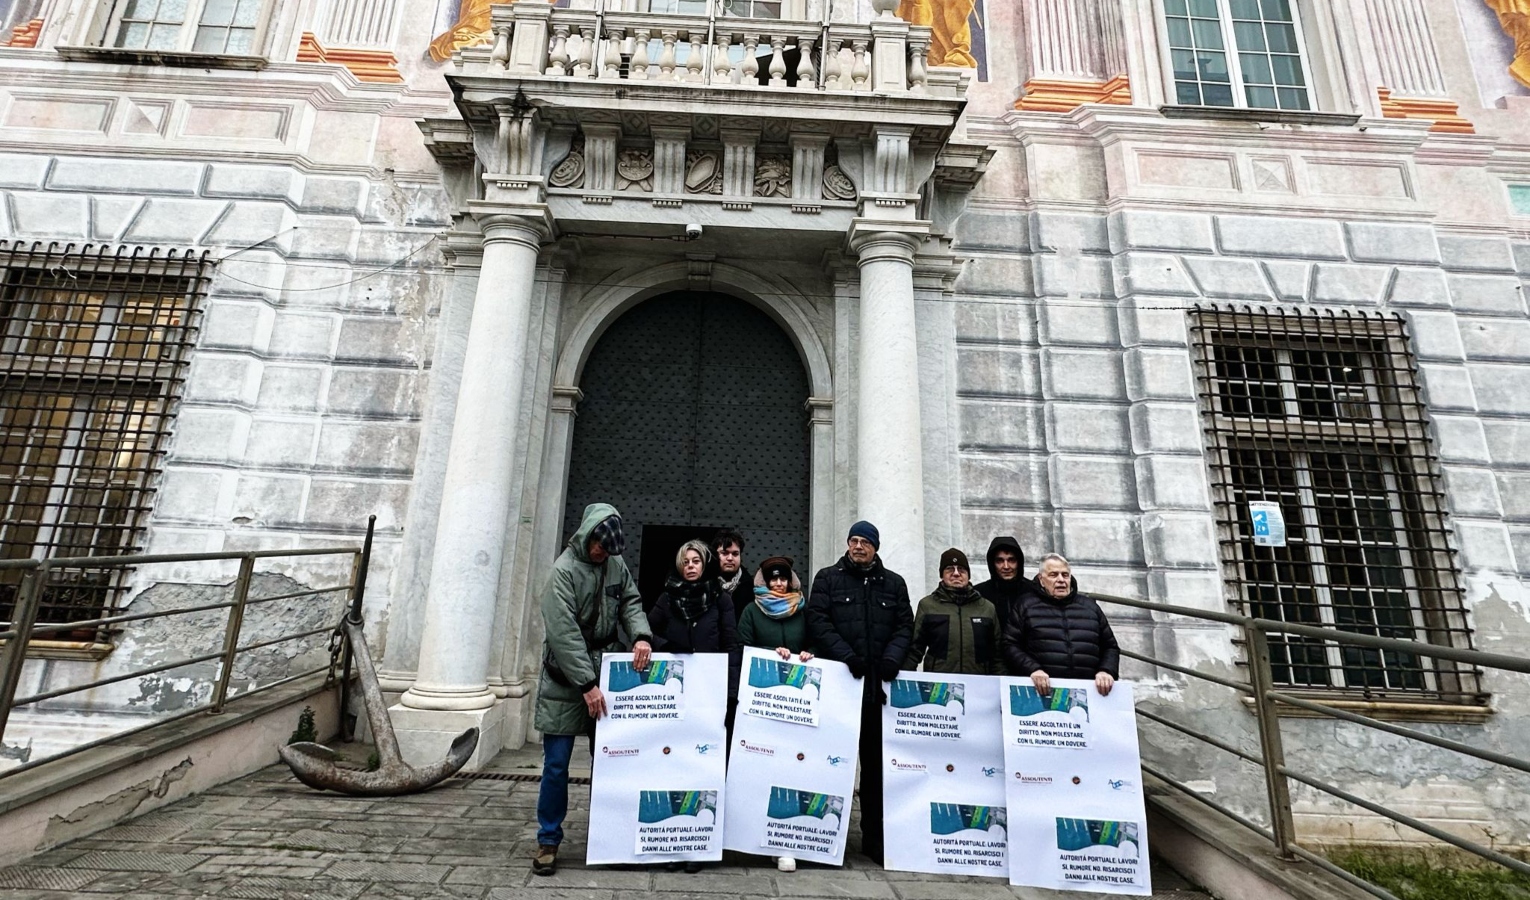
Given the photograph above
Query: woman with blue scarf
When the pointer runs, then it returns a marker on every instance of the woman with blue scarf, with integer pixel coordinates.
(775, 620)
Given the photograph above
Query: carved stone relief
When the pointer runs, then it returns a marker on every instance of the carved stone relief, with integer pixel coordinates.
(703, 172)
(773, 177)
(569, 172)
(634, 170)
(837, 185)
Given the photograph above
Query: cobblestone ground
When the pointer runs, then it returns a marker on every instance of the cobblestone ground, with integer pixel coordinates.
(266, 836)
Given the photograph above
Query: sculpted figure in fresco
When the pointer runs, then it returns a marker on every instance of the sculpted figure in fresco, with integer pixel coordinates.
(1514, 15)
(950, 23)
(472, 29)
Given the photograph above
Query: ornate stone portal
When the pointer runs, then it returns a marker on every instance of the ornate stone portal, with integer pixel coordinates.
(581, 134)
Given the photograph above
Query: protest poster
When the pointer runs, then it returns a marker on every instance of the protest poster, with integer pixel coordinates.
(1077, 818)
(657, 784)
(790, 783)
(784, 690)
(943, 771)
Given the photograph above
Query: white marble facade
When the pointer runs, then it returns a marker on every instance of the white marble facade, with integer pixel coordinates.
(380, 251)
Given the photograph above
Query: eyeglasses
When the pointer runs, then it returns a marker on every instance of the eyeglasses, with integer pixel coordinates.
(860, 542)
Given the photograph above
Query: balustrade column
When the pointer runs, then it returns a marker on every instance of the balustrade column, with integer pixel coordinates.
(889, 440)
(476, 496)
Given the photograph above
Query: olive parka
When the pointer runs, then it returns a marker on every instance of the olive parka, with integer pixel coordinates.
(958, 632)
(582, 604)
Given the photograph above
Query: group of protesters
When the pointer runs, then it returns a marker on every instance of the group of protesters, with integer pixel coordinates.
(857, 612)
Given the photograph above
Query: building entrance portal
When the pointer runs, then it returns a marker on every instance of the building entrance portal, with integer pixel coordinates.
(694, 419)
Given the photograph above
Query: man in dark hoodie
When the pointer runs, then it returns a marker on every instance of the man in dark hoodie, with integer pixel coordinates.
(1005, 585)
(858, 613)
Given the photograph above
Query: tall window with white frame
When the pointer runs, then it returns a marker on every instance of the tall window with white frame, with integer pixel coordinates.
(92, 347)
(1320, 414)
(1237, 53)
(228, 27)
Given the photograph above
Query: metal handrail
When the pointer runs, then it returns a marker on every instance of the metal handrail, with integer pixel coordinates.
(34, 582)
(1266, 697)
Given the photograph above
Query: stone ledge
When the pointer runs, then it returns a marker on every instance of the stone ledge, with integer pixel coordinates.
(1226, 858)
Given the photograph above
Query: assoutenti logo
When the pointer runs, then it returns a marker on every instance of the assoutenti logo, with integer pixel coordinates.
(949, 818)
(759, 749)
(773, 673)
(1026, 701)
(1032, 779)
(909, 765)
(619, 752)
(907, 694)
(657, 806)
(625, 677)
(790, 803)
(1074, 835)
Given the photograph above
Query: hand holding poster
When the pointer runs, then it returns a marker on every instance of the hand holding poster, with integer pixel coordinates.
(792, 771)
(943, 767)
(1077, 817)
(658, 778)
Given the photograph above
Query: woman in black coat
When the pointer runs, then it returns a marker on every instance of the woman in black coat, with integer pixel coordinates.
(1060, 633)
(694, 614)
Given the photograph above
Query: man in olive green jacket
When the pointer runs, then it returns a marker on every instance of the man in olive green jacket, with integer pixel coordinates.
(589, 593)
(956, 629)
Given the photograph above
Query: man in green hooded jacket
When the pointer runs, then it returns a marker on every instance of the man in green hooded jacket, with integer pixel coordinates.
(588, 595)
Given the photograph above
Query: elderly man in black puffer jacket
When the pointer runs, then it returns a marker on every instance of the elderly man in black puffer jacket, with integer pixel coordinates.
(1060, 633)
(858, 613)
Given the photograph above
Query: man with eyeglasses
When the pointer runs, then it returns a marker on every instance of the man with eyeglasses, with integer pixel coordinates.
(858, 613)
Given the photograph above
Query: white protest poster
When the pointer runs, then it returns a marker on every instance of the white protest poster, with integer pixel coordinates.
(790, 783)
(656, 788)
(943, 771)
(784, 690)
(1073, 779)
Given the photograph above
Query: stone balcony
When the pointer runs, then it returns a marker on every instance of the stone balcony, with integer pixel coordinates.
(623, 119)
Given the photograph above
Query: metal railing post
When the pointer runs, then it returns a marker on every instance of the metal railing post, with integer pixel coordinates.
(14, 655)
(231, 631)
(1282, 823)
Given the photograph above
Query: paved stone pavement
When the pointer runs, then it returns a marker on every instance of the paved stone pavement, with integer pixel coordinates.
(266, 836)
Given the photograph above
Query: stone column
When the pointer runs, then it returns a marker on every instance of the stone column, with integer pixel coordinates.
(825, 543)
(889, 441)
(1412, 83)
(451, 691)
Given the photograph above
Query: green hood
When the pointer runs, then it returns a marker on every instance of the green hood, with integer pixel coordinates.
(594, 514)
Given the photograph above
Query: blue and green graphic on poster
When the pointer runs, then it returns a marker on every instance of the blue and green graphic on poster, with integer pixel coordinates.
(782, 690)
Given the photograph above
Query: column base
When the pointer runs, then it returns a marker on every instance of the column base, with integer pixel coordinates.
(424, 735)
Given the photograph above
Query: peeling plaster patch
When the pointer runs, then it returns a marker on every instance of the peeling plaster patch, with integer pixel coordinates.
(93, 817)
(16, 751)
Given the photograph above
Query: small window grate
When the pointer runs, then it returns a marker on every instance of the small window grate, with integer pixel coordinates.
(1321, 414)
(93, 341)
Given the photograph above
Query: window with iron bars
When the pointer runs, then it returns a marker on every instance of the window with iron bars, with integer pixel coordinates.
(1321, 414)
(93, 342)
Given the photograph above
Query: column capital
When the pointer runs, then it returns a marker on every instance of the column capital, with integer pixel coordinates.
(875, 239)
(530, 224)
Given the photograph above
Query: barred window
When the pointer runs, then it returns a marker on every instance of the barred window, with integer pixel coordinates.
(1321, 414)
(92, 343)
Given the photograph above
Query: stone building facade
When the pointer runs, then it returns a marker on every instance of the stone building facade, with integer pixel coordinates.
(1100, 292)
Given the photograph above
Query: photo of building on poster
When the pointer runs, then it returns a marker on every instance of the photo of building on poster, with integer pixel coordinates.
(928, 708)
(970, 839)
(784, 691)
(803, 822)
(656, 693)
(676, 822)
(1095, 853)
(1058, 719)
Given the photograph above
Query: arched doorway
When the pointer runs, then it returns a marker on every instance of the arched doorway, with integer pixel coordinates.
(693, 419)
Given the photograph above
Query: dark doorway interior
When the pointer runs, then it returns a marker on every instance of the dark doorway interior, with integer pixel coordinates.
(693, 419)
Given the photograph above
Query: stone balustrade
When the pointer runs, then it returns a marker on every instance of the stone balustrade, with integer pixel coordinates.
(884, 56)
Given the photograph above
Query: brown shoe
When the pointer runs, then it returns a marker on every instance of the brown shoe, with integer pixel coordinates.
(546, 860)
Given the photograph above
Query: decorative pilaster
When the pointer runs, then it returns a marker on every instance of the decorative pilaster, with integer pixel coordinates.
(889, 440)
(669, 165)
(807, 171)
(738, 168)
(1412, 83)
(1077, 55)
(600, 162)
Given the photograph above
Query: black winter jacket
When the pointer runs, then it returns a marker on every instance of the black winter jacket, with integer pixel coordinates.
(860, 615)
(1005, 594)
(714, 631)
(1067, 638)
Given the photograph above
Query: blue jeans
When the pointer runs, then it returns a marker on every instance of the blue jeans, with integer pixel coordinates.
(552, 799)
